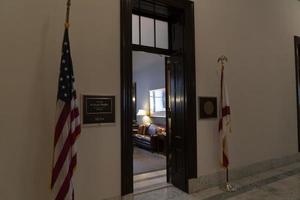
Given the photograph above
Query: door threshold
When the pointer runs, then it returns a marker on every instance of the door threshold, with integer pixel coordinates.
(150, 181)
(149, 175)
(151, 188)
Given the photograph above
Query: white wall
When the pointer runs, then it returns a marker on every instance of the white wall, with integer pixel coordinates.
(256, 35)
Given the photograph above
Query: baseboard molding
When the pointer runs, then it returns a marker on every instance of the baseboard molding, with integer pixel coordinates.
(212, 180)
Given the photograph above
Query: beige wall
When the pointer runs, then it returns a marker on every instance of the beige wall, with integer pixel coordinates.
(256, 35)
(30, 45)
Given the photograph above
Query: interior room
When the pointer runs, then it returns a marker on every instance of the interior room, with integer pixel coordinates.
(149, 118)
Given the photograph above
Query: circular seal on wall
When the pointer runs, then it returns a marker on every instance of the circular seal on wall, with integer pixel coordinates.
(209, 108)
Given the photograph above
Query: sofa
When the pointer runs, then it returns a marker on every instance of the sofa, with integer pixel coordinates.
(147, 137)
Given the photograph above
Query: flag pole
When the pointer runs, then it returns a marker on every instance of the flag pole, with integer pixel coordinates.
(227, 175)
(228, 187)
(67, 22)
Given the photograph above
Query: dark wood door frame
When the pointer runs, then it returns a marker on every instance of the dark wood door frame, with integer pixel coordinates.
(188, 53)
(297, 56)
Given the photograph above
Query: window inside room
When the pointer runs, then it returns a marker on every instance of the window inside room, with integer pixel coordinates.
(158, 103)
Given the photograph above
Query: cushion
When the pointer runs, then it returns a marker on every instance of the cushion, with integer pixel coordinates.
(161, 131)
(142, 129)
(152, 130)
(142, 137)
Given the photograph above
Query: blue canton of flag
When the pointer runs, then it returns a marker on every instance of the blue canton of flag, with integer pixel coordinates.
(66, 78)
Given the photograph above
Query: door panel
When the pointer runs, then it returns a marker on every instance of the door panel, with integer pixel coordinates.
(298, 85)
(168, 116)
(176, 127)
(297, 58)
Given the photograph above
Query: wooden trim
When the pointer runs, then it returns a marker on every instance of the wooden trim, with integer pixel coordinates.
(297, 62)
(150, 15)
(168, 114)
(190, 88)
(155, 43)
(136, 47)
(126, 101)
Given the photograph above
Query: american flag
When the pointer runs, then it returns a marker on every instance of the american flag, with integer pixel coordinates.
(67, 128)
(225, 121)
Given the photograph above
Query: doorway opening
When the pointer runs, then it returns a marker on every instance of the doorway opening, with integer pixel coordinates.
(162, 127)
(149, 131)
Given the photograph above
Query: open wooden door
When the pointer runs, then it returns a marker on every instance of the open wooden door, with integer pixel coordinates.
(176, 133)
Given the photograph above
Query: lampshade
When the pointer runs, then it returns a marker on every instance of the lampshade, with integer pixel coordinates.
(141, 113)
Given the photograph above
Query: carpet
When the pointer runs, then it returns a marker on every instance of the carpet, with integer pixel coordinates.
(145, 161)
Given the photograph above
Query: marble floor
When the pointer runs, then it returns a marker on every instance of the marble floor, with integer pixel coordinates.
(150, 181)
(277, 184)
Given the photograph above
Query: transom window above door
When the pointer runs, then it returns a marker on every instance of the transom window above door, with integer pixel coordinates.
(150, 32)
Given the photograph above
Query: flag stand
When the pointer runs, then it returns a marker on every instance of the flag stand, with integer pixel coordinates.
(228, 187)
(67, 24)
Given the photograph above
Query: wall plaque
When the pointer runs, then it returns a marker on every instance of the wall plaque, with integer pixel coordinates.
(98, 109)
(208, 107)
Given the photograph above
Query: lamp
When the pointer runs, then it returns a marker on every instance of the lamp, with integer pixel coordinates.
(146, 118)
(141, 113)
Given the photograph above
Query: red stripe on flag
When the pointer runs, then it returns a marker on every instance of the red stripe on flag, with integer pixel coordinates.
(66, 184)
(74, 114)
(77, 131)
(225, 111)
(62, 156)
(225, 160)
(61, 122)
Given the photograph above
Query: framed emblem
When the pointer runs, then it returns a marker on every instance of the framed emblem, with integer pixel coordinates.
(208, 108)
